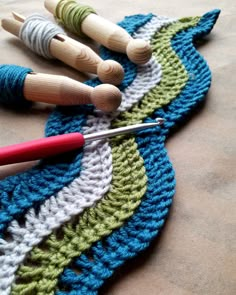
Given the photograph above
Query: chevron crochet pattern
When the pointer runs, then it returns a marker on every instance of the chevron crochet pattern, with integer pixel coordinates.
(68, 223)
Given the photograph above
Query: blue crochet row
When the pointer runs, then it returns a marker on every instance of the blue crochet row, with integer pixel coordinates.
(30, 189)
(106, 255)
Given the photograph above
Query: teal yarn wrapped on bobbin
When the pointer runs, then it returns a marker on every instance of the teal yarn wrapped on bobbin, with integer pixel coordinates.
(12, 80)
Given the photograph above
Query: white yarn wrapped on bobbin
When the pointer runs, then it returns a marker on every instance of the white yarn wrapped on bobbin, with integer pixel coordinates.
(37, 33)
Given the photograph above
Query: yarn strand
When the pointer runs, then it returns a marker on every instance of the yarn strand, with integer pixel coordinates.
(12, 86)
(37, 33)
(71, 14)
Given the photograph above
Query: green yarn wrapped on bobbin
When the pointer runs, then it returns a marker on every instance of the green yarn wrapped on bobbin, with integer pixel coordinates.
(71, 14)
(12, 80)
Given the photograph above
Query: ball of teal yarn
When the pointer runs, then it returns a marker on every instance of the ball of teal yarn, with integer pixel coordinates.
(12, 79)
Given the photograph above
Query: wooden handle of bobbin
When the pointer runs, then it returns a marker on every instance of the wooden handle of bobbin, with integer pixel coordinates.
(110, 35)
(62, 90)
(84, 59)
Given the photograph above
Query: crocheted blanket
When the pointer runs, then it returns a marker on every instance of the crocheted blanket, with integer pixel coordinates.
(69, 222)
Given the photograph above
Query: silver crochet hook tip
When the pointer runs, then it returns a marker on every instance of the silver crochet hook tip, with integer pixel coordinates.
(160, 120)
(122, 130)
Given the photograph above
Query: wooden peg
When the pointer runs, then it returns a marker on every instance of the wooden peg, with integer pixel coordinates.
(110, 35)
(75, 54)
(62, 90)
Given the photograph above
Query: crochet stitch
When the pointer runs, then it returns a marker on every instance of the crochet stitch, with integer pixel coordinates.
(149, 146)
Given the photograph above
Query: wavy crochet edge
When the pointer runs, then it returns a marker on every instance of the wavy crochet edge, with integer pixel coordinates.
(198, 36)
(136, 235)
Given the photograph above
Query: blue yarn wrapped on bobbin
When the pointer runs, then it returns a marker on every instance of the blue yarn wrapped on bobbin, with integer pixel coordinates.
(12, 79)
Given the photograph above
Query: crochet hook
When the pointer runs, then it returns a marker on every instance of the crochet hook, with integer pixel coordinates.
(74, 53)
(107, 33)
(54, 145)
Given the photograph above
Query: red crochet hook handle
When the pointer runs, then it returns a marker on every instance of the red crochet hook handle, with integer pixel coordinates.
(40, 148)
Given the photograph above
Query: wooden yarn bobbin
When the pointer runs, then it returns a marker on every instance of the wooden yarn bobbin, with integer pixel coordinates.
(110, 35)
(61, 90)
